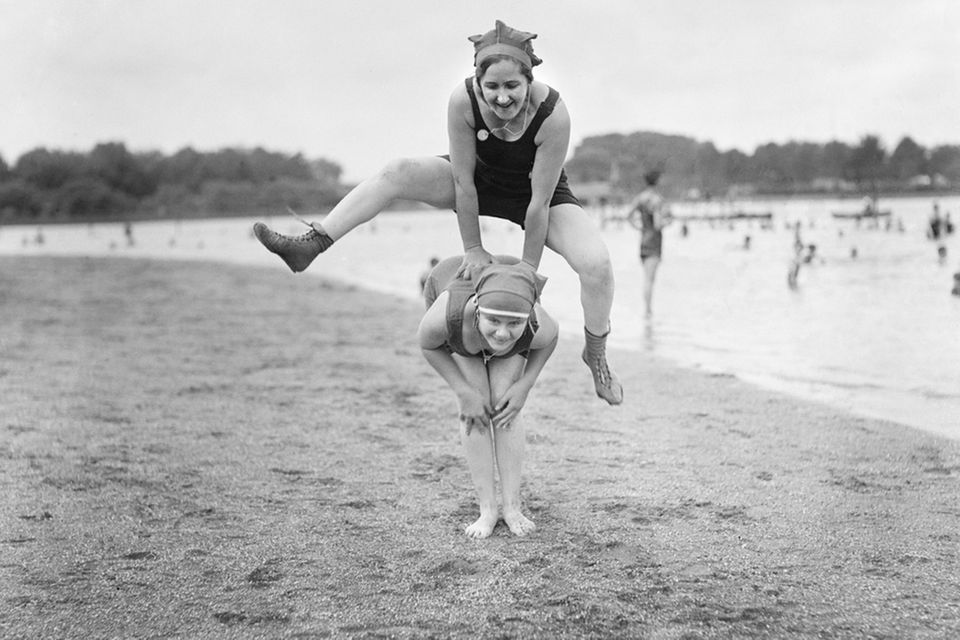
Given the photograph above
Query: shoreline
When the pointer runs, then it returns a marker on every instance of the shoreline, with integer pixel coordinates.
(864, 394)
(180, 460)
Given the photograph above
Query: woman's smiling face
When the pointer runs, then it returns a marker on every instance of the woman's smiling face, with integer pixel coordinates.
(500, 332)
(504, 89)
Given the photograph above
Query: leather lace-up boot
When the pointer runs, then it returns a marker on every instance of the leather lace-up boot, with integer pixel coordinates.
(297, 251)
(605, 381)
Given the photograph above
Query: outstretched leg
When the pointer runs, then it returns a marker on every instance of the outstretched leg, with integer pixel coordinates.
(573, 235)
(428, 180)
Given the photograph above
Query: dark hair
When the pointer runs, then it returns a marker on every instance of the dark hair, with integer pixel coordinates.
(652, 177)
(486, 63)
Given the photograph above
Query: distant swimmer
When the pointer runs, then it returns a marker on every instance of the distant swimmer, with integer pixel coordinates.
(934, 225)
(650, 213)
(793, 270)
(434, 261)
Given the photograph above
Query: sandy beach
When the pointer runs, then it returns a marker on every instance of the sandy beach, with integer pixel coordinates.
(206, 450)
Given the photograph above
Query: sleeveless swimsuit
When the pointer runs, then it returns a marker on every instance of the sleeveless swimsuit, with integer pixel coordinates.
(502, 173)
(651, 238)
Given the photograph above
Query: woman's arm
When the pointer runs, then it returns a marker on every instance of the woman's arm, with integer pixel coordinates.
(552, 141)
(662, 216)
(475, 409)
(541, 348)
(463, 160)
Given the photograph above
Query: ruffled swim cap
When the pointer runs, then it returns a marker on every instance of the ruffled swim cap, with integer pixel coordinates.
(508, 290)
(504, 40)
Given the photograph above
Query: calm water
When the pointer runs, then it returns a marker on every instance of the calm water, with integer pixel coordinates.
(878, 334)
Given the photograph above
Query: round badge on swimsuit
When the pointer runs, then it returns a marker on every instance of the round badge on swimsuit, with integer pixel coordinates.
(482, 135)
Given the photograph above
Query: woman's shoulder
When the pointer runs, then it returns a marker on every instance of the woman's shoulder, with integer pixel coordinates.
(433, 326)
(547, 328)
(541, 91)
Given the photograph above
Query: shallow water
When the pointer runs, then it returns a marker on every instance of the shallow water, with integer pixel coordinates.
(876, 334)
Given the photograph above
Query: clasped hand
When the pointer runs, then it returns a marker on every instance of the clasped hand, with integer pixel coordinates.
(476, 413)
(474, 261)
(510, 404)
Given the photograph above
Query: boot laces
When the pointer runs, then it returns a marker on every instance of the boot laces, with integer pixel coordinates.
(307, 237)
(602, 370)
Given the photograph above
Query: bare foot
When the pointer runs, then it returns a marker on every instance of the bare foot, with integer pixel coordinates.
(519, 524)
(483, 527)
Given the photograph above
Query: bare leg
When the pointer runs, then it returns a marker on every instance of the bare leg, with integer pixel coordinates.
(510, 450)
(509, 447)
(428, 180)
(574, 236)
(478, 450)
(650, 264)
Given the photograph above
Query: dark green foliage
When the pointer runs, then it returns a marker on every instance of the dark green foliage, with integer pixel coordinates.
(88, 198)
(49, 169)
(19, 201)
(111, 182)
(120, 170)
(793, 167)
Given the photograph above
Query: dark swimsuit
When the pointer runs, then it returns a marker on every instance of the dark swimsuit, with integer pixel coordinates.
(442, 278)
(502, 173)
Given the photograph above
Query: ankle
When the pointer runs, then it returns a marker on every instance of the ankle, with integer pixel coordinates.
(591, 334)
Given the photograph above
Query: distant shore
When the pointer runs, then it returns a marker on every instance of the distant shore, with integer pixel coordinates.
(207, 450)
(405, 206)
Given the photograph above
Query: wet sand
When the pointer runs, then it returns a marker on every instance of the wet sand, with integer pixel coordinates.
(201, 450)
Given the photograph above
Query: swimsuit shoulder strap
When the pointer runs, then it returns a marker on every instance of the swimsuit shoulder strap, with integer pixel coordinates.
(478, 122)
(543, 111)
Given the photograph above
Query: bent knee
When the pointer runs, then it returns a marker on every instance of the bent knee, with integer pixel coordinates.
(595, 266)
(398, 171)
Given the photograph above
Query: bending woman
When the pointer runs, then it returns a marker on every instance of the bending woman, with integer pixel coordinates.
(488, 339)
(508, 136)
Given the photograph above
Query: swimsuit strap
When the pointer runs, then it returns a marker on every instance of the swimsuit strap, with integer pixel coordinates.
(478, 121)
(543, 111)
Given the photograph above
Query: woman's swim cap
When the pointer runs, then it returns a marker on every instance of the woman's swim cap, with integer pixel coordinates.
(508, 290)
(504, 40)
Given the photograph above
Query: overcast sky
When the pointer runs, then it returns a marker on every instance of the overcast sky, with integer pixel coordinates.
(360, 82)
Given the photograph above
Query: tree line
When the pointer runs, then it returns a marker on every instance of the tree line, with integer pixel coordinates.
(110, 182)
(693, 167)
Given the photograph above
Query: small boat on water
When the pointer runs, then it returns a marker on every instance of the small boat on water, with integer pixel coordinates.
(860, 215)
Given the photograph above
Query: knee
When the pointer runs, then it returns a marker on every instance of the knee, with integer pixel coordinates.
(595, 266)
(397, 172)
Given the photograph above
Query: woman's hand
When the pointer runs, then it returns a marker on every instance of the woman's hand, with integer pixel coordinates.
(475, 412)
(509, 405)
(475, 260)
